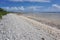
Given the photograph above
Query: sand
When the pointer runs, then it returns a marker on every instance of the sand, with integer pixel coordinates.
(15, 27)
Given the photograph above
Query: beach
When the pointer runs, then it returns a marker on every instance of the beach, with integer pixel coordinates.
(51, 19)
(19, 27)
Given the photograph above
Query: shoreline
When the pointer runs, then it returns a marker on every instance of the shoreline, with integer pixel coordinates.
(46, 21)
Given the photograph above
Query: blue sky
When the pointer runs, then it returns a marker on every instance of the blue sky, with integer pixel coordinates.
(31, 5)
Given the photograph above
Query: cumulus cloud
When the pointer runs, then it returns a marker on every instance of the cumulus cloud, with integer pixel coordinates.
(22, 8)
(32, 0)
(57, 6)
(14, 8)
(34, 8)
(53, 8)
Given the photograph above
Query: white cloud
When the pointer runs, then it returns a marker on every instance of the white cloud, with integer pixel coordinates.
(29, 8)
(32, 0)
(21, 8)
(57, 6)
(14, 9)
(34, 8)
(53, 8)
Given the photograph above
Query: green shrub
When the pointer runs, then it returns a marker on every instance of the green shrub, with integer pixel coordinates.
(2, 12)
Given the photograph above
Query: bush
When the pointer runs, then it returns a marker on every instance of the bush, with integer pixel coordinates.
(2, 12)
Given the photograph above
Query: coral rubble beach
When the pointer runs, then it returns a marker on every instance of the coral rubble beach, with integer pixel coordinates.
(15, 27)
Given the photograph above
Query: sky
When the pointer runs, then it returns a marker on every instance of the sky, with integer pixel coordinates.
(31, 5)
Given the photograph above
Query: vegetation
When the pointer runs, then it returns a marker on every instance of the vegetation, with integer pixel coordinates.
(2, 12)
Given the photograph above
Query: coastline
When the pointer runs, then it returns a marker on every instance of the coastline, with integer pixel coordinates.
(51, 21)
